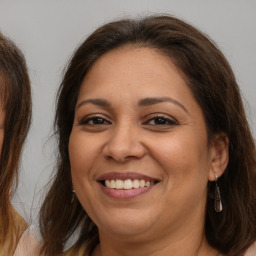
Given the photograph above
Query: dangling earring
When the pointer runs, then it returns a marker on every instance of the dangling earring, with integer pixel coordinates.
(73, 195)
(217, 204)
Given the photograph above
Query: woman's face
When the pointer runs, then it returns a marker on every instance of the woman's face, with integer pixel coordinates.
(139, 152)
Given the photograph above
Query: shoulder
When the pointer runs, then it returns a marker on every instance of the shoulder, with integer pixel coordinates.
(28, 244)
(252, 250)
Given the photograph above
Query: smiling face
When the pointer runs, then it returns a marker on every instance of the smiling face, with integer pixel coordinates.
(139, 151)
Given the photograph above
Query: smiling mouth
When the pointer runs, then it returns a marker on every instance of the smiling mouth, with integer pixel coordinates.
(128, 183)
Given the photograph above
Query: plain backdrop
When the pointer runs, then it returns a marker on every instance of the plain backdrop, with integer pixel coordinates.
(48, 31)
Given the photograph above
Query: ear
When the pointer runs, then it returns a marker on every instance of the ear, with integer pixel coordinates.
(219, 155)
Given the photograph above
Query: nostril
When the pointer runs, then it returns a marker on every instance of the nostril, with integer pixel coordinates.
(123, 146)
(122, 158)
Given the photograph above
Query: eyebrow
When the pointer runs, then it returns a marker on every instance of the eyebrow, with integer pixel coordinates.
(153, 100)
(98, 102)
(142, 103)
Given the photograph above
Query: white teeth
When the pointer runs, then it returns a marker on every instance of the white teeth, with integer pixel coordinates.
(112, 184)
(108, 183)
(136, 183)
(127, 184)
(142, 183)
(147, 183)
(119, 184)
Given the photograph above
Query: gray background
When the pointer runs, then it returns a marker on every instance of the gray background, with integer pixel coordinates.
(48, 31)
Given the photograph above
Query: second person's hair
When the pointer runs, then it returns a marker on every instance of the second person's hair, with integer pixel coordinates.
(15, 99)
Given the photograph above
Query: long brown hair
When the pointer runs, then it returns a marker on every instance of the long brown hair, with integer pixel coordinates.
(16, 102)
(214, 86)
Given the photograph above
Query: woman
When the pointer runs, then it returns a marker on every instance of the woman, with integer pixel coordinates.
(15, 111)
(155, 153)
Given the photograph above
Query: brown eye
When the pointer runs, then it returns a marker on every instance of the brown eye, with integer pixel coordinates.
(161, 121)
(94, 121)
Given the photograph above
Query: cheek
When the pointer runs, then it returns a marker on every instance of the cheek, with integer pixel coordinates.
(78, 155)
(81, 160)
(80, 150)
(185, 158)
(84, 150)
(186, 165)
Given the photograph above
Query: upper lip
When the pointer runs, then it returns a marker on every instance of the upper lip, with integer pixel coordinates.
(125, 176)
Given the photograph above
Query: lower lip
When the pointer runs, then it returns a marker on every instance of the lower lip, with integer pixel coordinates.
(125, 193)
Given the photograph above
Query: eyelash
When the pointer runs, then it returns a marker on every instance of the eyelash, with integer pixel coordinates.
(158, 119)
(87, 119)
(164, 121)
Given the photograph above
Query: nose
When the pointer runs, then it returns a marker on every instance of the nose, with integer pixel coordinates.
(124, 143)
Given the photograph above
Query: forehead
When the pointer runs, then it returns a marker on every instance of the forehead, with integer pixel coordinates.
(147, 58)
(128, 74)
(127, 65)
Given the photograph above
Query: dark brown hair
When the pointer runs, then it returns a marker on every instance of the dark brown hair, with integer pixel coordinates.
(214, 86)
(16, 103)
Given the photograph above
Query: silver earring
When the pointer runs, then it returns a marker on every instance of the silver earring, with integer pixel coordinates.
(217, 204)
(73, 195)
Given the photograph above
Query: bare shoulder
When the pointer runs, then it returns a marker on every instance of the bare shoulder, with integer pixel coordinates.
(28, 245)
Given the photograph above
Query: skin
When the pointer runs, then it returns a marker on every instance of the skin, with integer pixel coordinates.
(165, 140)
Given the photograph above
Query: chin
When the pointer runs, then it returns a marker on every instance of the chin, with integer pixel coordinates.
(126, 230)
(129, 224)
